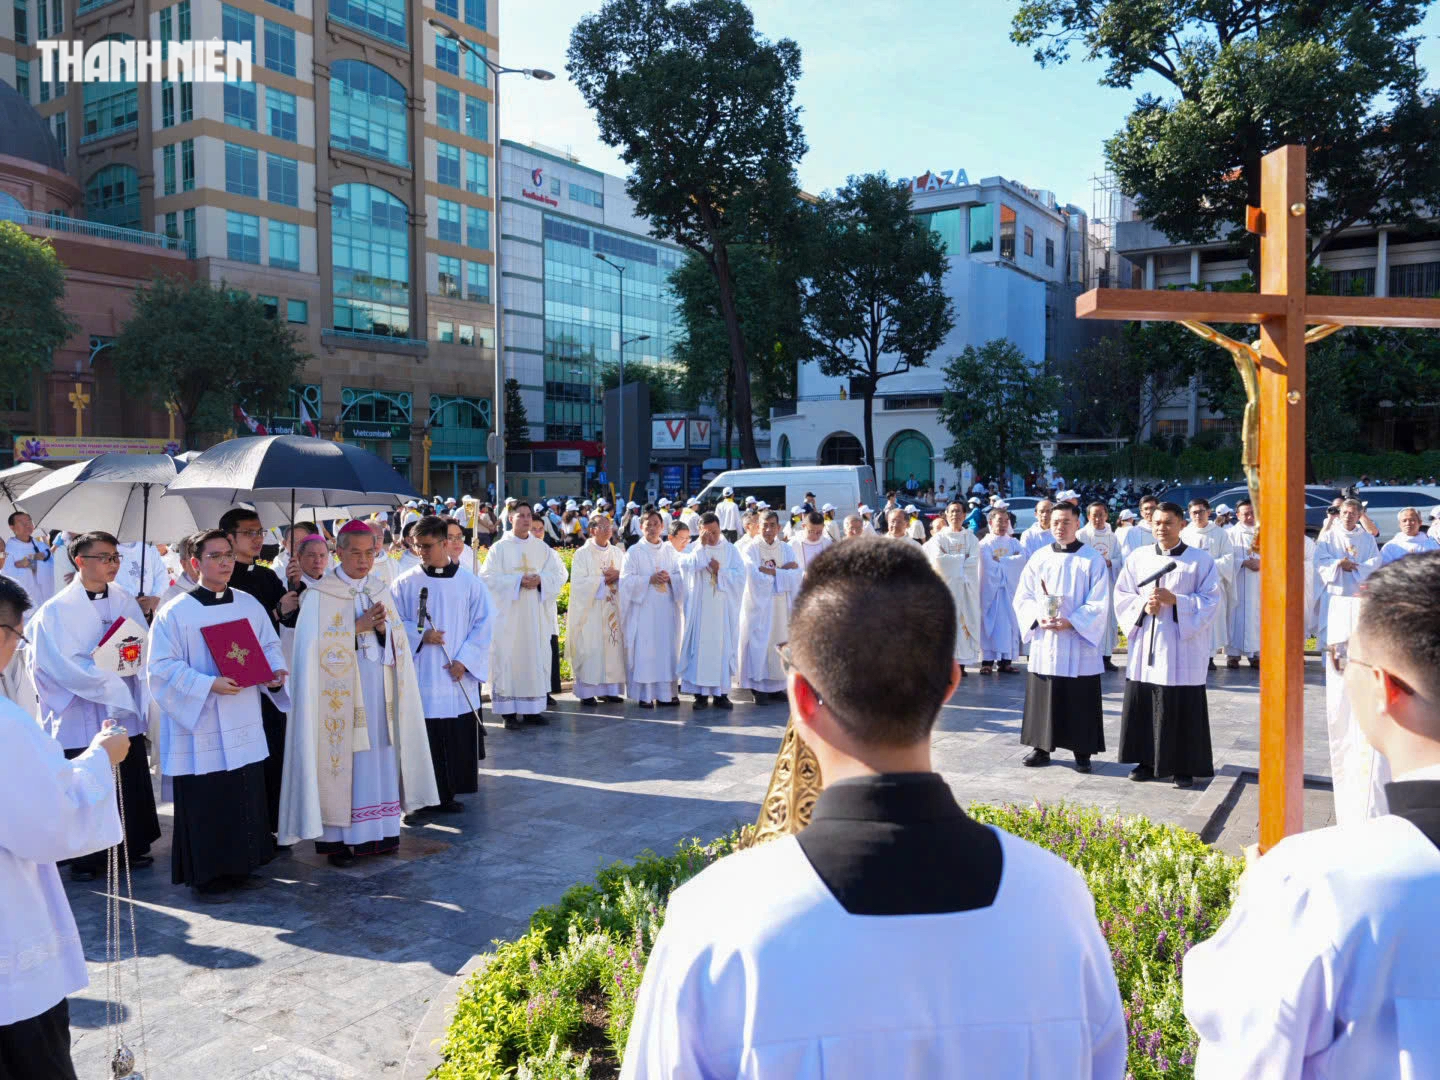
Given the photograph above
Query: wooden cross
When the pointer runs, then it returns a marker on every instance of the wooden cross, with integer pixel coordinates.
(1276, 413)
(79, 399)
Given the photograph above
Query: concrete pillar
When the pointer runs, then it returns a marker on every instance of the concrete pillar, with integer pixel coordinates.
(1149, 271)
(1195, 267)
(1382, 263)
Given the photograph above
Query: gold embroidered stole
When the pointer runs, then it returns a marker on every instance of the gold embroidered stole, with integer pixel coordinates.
(342, 729)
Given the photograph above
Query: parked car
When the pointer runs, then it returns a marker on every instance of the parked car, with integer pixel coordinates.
(845, 486)
(1182, 495)
(1384, 504)
(1318, 498)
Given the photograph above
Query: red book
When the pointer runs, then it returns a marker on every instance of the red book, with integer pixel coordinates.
(111, 632)
(237, 653)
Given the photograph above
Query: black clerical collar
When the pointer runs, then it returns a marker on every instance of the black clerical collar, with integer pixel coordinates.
(1178, 549)
(1418, 802)
(1067, 549)
(874, 841)
(448, 570)
(210, 598)
(101, 595)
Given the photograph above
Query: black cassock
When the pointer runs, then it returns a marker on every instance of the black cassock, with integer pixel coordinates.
(265, 586)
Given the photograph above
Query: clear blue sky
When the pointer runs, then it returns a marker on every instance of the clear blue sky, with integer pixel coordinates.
(899, 85)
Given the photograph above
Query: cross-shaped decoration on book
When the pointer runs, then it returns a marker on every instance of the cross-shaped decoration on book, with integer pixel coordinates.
(238, 654)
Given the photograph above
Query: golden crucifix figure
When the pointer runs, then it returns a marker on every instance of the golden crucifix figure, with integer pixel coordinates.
(79, 399)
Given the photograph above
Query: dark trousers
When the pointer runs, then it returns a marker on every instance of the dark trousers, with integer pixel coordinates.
(554, 664)
(38, 1047)
(142, 825)
(729, 534)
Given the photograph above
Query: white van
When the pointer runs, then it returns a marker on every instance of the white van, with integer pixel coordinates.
(846, 486)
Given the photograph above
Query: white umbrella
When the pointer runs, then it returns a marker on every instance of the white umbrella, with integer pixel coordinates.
(14, 482)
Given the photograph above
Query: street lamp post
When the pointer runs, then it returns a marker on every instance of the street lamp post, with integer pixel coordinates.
(498, 415)
(620, 384)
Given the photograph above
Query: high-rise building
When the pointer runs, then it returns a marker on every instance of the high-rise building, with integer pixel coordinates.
(350, 185)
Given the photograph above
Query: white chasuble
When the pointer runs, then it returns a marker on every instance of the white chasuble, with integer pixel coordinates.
(138, 559)
(458, 604)
(651, 617)
(1401, 545)
(520, 648)
(1073, 582)
(1242, 635)
(595, 635)
(1180, 633)
(37, 576)
(1002, 559)
(1134, 537)
(1334, 547)
(356, 749)
(765, 613)
(1213, 540)
(712, 617)
(1104, 541)
(955, 555)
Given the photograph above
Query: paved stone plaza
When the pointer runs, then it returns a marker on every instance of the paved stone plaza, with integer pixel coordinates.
(328, 973)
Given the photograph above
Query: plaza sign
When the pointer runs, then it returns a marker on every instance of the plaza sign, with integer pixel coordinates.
(368, 429)
(935, 181)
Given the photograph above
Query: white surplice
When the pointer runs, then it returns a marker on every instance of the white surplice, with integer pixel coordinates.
(1079, 578)
(50, 809)
(62, 567)
(1034, 538)
(797, 988)
(1181, 632)
(712, 618)
(955, 555)
(1358, 771)
(1313, 589)
(459, 606)
(765, 614)
(1401, 545)
(1134, 537)
(595, 628)
(1326, 965)
(1002, 560)
(520, 648)
(1331, 549)
(1216, 542)
(37, 579)
(1107, 544)
(1242, 634)
(652, 619)
(807, 552)
(76, 697)
(157, 577)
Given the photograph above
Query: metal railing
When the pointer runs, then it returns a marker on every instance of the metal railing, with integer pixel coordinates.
(119, 129)
(59, 223)
(360, 337)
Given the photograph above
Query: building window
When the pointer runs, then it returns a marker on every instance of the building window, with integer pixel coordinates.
(449, 276)
(588, 196)
(367, 112)
(477, 228)
(1219, 423)
(282, 180)
(475, 14)
(288, 5)
(167, 104)
(62, 132)
(1359, 282)
(475, 69)
(1049, 252)
(444, 331)
(477, 282)
(371, 257)
(447, 108)
(110, 107)
(187, 230)
(297, 311)
(242, 237)
(477, 118)
(44, 87)
(477, 174)
(279, 48)
(1172, 427)
(281, 107)
(172, 226)
(187, 165)
(982, 228)
(448, 221)
(1029, 242)
(22, 30)
(22, 78)
(187, 102)
(242, 170)
(946, 225)
(167, 155)
(237, 25)
(447, 164)
(448, 7)
(285, 245)
(112, 196)
(383, 18)
(1415, 279)
(57, 16)
(465, 334)
(42, 11)
(182, 21)
(167, 30)
(447, 54)
(271, 304)
(1007, 233)
(240, 104)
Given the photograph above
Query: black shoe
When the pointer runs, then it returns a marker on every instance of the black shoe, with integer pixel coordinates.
(550, 701)
(1255, 662)
(512, 723)
(1184, 781)
(702, 701)
(451, 806)
(341, 859)
(673, 703)
(140, 862)
(645, 704)
(1082, 763)
(283, 849)
(77, 874)
(1008, 668)
(412, 819)
(210, 894)
(1110, 666)
(588, 701)
(722, 701)
(1211, 666)
(1142, 772)
(248, 883)
(1035, 758)
(987, 667)
(537, 719)
(612, 699)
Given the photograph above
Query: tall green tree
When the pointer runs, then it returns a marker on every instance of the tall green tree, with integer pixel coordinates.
(664, 380)
(874, 306)
(1156, 359)
(517, 423)
(1248, 76)
(703, 110)
(997, 408)
(206, 348)
(33, 322)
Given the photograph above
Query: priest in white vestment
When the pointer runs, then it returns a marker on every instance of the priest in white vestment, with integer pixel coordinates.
(1097, 534)
(212, 737)
(143, 575)
(595, 634)
(1328, 963)
(62, 569)
(1037, 535)
(955, 554)
(1203, 533)
(1140, 535)
(1002, 560)
(652, 603)
(1345, 556)
(812, 541)
(714, 574)
(27, 560)
(1242, 636)
(77, 695)
(831, 953)
(772, 578)
(523, 575)
(749, 531)
(1409, 540)
(51, 810)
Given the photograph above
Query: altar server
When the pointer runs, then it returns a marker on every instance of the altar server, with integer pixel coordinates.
(813, 541)
(1242, 636)
(77, 696)
(1037, 536)
(143, 575)
(955, 555)
(652, 601)
(832, 952)
(1062, 604)
(523, 575)
(27, 560)
(212, 738)
(459, 623)
(1097, 534)
(1209, 537)
(1328, 964)
(62, 568)
(1409, 540)
(357, 753)
(51, 809)
(595, 635)
(729, 515)
(772, 578)
(552, 611)
(1002, 560)
(714, 574)
(1165, 720)
(1141, 535)
(1345, 556)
